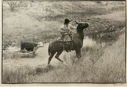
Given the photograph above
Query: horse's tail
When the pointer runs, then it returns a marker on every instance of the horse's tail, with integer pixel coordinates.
(49, 52)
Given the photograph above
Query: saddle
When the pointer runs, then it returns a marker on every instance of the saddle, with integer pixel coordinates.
(68, 46)
(67, 43)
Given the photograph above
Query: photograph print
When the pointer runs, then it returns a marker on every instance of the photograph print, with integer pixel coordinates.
(63, 42)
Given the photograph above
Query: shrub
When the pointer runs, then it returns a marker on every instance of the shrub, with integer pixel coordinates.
(12, 5)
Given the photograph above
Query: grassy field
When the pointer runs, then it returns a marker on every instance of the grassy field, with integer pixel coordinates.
(32, 21)
(98, 65)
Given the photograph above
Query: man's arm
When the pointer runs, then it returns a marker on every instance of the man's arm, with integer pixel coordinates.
(72, 27)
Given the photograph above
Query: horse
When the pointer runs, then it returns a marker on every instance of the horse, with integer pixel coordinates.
(58, 47)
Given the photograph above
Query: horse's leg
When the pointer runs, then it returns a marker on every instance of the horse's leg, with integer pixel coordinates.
(57, 56)
(80, 53)
(77, 53)
(51, 56)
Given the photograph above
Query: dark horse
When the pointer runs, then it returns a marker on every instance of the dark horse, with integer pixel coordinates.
(58, 46)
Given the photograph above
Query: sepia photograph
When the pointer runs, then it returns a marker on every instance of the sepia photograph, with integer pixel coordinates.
(63, 42)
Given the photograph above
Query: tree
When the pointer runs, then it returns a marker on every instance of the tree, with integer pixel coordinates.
(12, 5)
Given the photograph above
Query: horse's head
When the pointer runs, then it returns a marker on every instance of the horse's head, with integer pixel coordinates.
(82, 26)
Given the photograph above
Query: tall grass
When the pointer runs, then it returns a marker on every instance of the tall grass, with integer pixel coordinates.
(20, 75)
(112, 63)
(98, 65)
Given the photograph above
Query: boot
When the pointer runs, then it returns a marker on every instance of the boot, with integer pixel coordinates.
(66, 49)
(62, 38)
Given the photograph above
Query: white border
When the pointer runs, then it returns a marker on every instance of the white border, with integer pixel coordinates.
(53, 85)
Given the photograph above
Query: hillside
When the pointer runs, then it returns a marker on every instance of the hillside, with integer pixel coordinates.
(31, 21)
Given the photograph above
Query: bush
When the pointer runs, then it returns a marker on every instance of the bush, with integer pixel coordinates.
(12, 5)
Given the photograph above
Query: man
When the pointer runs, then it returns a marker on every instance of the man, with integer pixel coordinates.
(65, 30)
(66, 34)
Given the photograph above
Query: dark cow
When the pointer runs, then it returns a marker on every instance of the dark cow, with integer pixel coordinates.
(28, 46)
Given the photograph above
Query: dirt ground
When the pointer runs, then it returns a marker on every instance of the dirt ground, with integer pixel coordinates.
(42, 53)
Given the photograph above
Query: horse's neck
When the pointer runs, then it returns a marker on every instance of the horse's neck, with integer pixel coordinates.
(81, 35)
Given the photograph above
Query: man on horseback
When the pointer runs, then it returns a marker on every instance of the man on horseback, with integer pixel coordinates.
(56, 47)
(66, 35)
(65, 30)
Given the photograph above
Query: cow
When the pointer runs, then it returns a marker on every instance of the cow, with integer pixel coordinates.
(28, 46)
